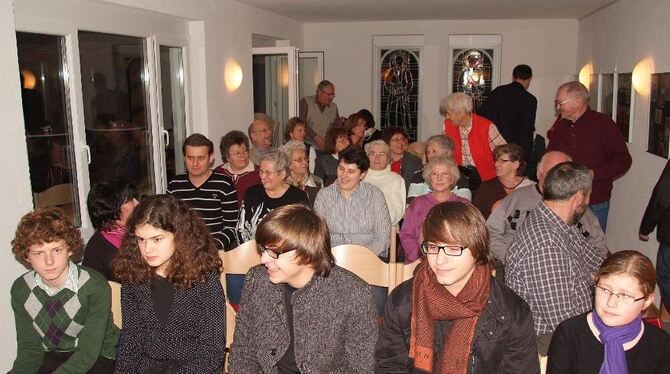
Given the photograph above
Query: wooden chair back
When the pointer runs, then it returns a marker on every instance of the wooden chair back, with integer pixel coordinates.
(239, 260)
(116, 302)
(362, 262)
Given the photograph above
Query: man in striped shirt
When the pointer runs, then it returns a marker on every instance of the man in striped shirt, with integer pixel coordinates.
(210, 194)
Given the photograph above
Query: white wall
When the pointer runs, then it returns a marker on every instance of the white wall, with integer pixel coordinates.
(620, 36)
(218, 30)
(548, 46)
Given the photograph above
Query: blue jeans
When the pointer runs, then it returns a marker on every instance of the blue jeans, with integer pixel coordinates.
(601, 210)
(663, 273)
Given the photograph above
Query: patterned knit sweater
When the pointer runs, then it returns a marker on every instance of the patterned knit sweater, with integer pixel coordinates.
(68, 321)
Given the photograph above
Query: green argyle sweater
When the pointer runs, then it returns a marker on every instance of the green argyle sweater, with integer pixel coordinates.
(80, 322)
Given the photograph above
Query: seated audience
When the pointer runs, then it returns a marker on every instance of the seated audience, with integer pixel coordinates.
(326, 163)
(402, 162)
(508, 216)
(355, 211)
(437, 146)
(273, 192)
(453, 316)
(549, 262)
(371, 132)
(475, 155)
(296, 130)
(260, 133)
(174, 311)
(441, 174)
(299, 175)
(211, 195)
(391, 184)
(109, 206)
(510, 168)
(355, 126)
(300, 313)
(61, 310)
(613, 338)
(234, 147)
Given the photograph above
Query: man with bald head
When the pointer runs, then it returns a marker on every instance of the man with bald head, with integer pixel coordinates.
(320, 112)
(260, 134)
(592, 139)
(511, 211)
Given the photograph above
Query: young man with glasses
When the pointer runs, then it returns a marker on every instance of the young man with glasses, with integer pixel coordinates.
(453, 316)
(320, 112)
(300, 313)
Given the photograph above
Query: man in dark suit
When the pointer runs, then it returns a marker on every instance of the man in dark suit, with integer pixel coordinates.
(512, 109)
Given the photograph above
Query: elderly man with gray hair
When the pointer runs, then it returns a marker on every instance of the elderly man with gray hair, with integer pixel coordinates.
(320, 112)
(550, 262)
(475, 156)
(437, 146)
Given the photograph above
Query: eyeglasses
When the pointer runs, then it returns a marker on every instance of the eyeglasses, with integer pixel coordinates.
(621, 297)
(274, 253)
(375, 154)
(328, 93)
(267, 172)
(239, 153)
(503, 160)
(559, 104)
(449, 250)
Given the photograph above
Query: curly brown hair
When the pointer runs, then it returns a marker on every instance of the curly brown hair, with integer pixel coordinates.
(45, 225)
(195, 254)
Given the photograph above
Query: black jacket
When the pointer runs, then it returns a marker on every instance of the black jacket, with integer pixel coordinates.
(512, 109)
(504, 339)
(658, 209)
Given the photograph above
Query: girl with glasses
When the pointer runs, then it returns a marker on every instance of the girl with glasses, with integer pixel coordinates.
(613, 338)
(173, 307)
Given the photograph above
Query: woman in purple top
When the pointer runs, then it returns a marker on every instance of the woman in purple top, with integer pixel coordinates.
(441, 174)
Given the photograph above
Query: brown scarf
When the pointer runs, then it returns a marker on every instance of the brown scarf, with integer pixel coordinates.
(432, 302)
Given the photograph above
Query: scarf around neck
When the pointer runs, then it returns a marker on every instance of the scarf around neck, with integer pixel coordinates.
(432, 302)
(613, 339)
(114, 235)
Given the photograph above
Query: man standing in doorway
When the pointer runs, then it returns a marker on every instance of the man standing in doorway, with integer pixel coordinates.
(211, 195)
(512, 108)
(320, 112)
(592, 139)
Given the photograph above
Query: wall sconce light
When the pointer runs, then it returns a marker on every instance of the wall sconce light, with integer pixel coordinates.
(233, 75)
(585, 75)
(642, 76)
(284, 73)
(29, 80)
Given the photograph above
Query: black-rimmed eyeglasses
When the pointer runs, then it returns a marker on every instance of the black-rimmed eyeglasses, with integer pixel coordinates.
(274, 253)
(449, 250)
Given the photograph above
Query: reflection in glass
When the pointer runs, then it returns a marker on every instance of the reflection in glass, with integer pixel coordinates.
(593, 91)
(472, 71)
(659, 115)
(607, 94)
(46, 114)
(174, 115)
(271, 79)
(623, 103)
(114, 85)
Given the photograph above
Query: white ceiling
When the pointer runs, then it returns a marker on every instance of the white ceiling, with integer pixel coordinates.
(379, 10)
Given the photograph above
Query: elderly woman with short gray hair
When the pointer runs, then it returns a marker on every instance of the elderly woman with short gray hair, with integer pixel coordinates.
(299, 175)
(475, 155)
(273, 192)
(380, 175)
(441, 174)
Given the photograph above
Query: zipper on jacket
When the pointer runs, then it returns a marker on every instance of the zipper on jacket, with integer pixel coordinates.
(474, 354)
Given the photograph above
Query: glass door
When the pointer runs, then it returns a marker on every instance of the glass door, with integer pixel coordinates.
(173, 109)
(275, 82)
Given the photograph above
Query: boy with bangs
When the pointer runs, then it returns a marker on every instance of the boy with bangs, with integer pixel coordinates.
(61, 310)
(299, 312)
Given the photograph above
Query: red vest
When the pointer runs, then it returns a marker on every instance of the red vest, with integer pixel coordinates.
(478, 140)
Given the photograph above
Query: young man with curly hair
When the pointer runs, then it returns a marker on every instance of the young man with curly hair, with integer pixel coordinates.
(62, 310)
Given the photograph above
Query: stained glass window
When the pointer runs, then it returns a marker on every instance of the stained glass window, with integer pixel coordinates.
(472, 72)
(399, 101)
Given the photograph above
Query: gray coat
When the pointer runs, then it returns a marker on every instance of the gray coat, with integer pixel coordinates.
(334, 322)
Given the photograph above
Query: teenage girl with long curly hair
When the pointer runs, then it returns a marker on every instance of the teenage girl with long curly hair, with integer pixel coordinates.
(172, 302)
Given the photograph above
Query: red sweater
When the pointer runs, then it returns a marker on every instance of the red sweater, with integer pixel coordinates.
(242, 182)
(478, 140)
(595, 141)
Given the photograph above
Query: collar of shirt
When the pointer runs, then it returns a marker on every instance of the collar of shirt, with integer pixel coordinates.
(72, 282)
(248, 168)
(556, 220)
(321, 107)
